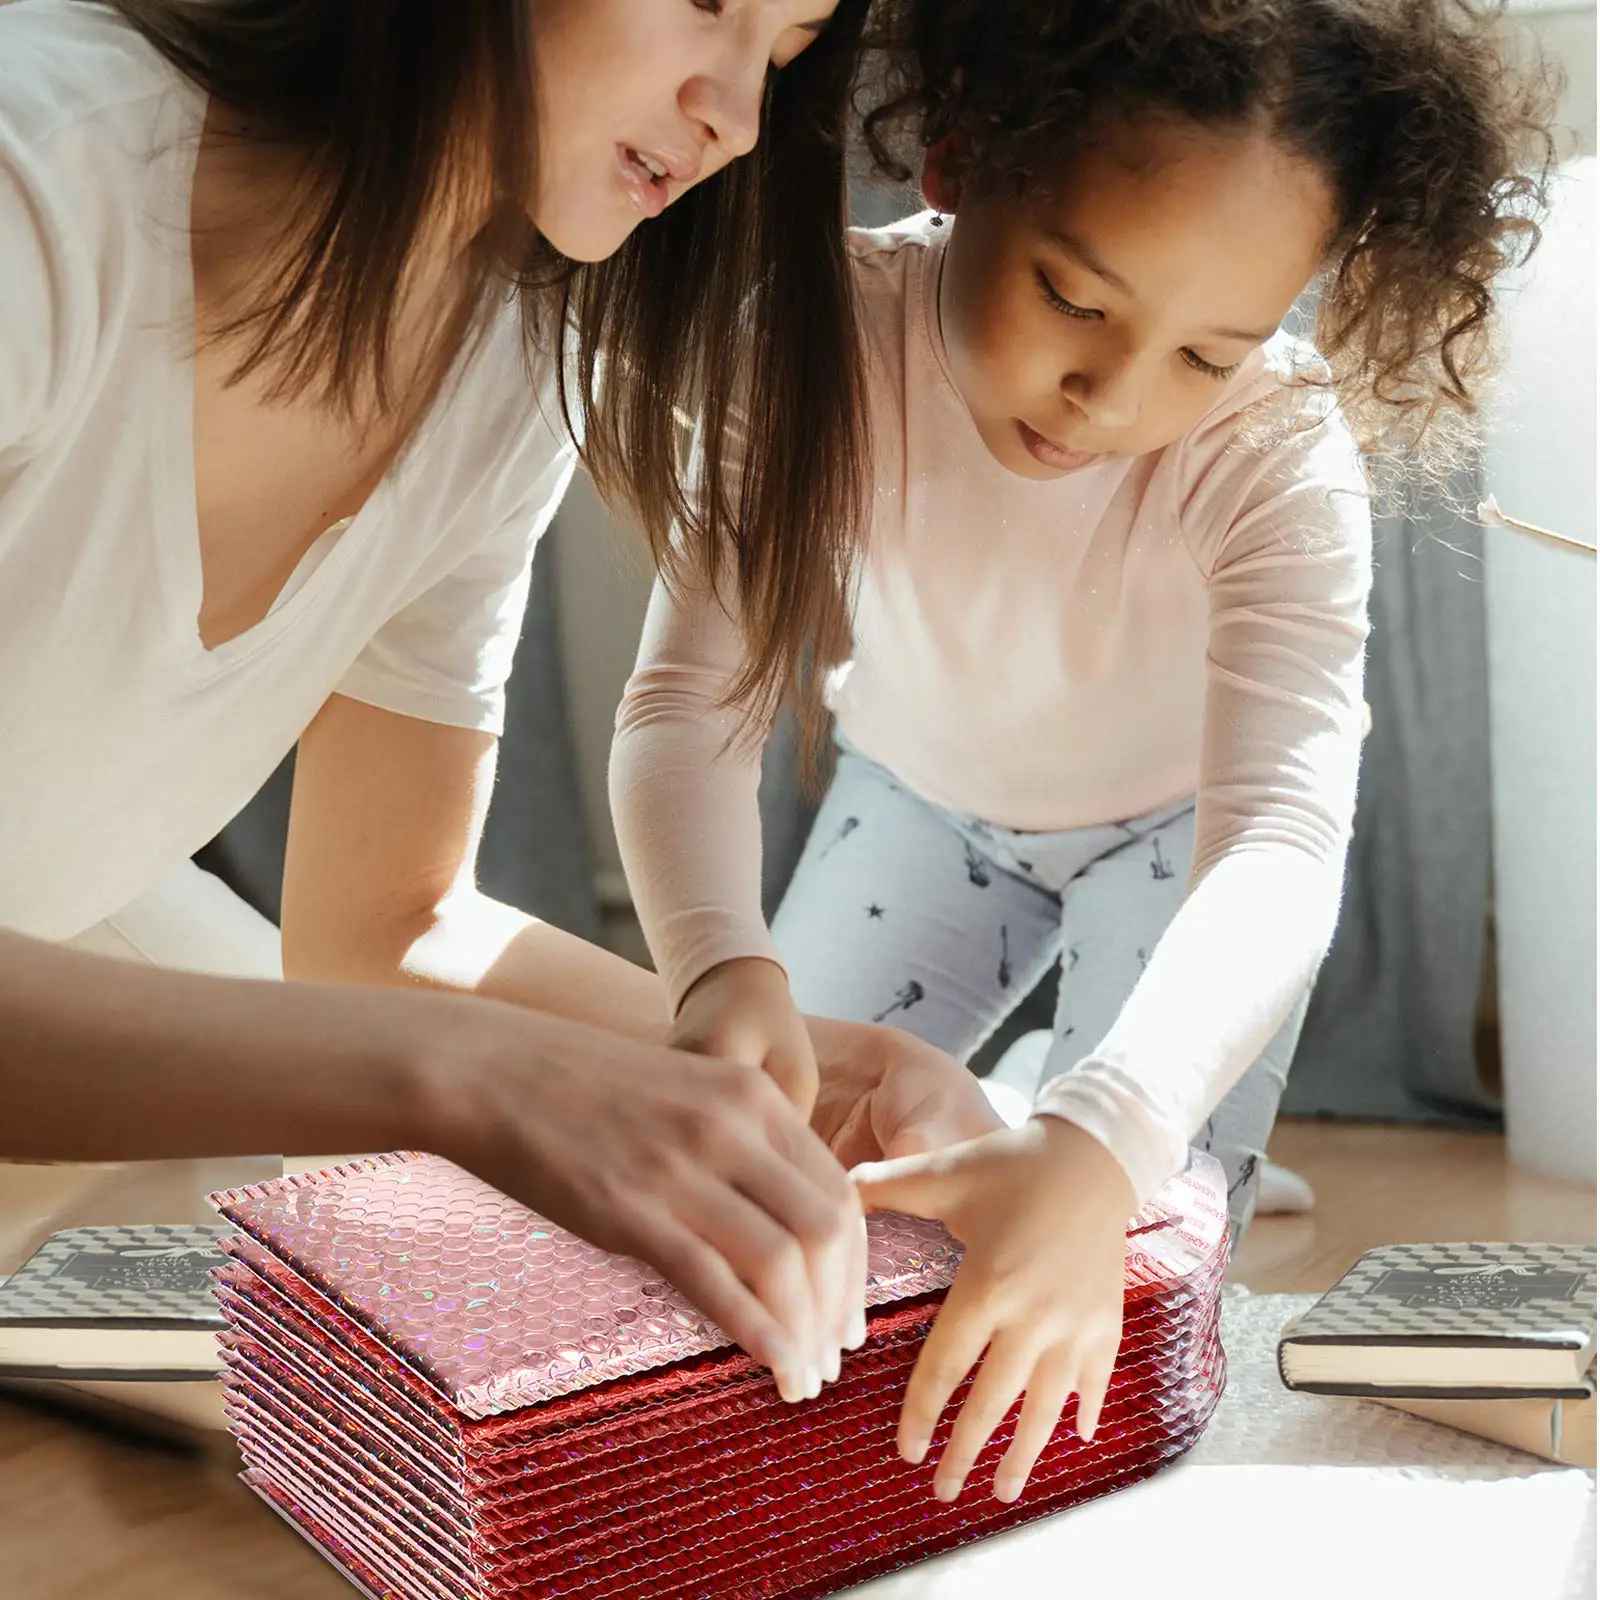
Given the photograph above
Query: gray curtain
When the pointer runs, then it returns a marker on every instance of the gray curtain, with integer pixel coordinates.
(1390, 1034)
(536, 851)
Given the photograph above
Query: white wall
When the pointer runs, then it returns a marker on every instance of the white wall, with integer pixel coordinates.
(1564, 32)
(1539, 464)
(1540, 606)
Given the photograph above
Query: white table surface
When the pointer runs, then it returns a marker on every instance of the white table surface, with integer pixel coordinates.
(1300, 1496)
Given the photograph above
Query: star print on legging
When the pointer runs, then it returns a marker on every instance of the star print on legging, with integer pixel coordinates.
(846, 828)
(904, 999)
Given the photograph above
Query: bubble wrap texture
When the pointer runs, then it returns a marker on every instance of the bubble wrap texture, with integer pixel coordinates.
(500, 1309)
(684, 1476)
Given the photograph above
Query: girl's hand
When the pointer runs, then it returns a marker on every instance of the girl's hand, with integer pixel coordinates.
(742, 1011)
(1043, 1212)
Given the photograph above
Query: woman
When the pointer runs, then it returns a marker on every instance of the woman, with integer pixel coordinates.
(279, 425)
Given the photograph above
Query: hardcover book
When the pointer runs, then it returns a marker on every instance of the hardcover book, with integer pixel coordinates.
(455, 1400)
(127, 1303)
(1558, 1430)
(1451, 1321)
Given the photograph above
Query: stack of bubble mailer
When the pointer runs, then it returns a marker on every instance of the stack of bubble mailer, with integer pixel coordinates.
(456, 1400)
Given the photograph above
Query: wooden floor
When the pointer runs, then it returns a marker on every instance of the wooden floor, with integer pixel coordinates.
(86, 1516)
(1386, 1185)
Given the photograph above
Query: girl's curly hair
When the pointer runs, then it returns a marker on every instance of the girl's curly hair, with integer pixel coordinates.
(1437, 152)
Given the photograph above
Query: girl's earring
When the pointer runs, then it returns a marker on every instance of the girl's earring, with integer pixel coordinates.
(936, 189)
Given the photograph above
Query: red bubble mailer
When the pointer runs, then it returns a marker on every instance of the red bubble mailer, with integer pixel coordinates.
(456, 1400)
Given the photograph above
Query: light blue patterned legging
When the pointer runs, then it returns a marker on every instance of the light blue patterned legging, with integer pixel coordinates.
(904, 913)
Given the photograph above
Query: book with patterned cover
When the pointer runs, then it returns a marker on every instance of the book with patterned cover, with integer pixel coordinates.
(1558, 1430)
(1467, 1320)
(115, 1302)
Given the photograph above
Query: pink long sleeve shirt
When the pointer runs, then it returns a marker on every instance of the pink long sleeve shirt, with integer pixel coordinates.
(1056, 655)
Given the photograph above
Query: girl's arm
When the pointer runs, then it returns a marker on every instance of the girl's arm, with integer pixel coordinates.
(1285, 543)
(684, 780)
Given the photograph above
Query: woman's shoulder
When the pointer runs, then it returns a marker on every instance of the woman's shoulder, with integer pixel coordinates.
(92, 121)
(87, 113)
(497, 428)
(69, 65)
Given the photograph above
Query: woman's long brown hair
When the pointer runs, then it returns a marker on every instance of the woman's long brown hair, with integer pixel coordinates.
(738, 296)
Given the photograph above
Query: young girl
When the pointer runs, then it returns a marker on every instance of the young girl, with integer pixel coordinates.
(1102, 699)
(280, 422)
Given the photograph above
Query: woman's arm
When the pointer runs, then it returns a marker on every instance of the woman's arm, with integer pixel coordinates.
(378, 889)
(109, 1060)
(696, 1165)
(379, 882)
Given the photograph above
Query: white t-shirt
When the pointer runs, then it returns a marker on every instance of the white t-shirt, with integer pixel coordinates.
(124, 743)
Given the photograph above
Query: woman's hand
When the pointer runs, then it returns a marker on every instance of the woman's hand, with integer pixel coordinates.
(695, 1164)
(884, 1093)
(872, 1092)
(742, 1011)
(1043, 1213)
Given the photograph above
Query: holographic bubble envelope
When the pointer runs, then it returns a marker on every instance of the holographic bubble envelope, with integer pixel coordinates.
(457, 1400)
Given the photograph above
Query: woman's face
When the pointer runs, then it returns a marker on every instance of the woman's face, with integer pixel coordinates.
(640, 99)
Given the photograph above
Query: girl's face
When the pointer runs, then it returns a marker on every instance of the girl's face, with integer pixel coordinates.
(1101, 318)
(640, 99)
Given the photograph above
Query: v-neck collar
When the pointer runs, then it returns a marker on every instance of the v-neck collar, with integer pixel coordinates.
(320, 567)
